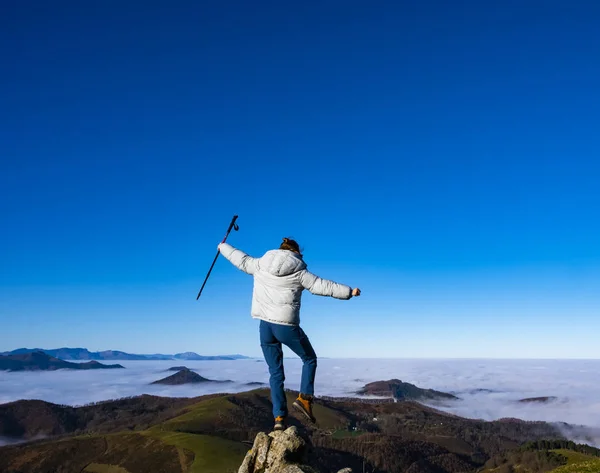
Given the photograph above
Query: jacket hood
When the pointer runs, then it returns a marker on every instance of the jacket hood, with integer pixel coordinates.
(281, 262)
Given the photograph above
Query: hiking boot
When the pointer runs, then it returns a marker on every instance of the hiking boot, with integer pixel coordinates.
(279, 423)
(304, 405)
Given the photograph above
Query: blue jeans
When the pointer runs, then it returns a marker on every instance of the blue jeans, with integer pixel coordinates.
(271, 338)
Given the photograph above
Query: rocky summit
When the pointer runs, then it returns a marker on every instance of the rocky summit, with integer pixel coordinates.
(278, 452)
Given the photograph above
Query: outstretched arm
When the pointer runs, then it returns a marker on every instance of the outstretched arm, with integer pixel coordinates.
(324, 287)
(238, 258)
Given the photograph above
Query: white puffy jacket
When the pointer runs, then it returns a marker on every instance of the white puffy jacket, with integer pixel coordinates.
(280, 276)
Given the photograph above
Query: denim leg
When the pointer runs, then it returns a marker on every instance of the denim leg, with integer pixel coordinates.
(295, 338)
(273, 353)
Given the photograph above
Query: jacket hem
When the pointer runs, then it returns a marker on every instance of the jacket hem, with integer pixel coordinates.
(273, 321)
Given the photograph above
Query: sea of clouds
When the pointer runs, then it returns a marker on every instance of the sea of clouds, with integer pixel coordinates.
(488, 389)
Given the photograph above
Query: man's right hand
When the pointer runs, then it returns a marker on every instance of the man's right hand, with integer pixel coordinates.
(355, 292)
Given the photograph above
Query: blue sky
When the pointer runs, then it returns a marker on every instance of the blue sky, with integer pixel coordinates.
(441, 156)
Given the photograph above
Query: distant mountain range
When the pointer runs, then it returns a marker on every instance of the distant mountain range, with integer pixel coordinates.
(39, 361)
(77, 354)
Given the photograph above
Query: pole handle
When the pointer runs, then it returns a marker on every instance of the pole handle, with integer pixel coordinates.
(233, 226)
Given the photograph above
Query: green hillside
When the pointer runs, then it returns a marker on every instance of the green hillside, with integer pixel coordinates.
(528, 459)
(211, 434)
(211, 454)
(578, 463)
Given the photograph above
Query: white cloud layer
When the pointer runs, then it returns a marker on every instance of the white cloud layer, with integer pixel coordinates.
(488, 389)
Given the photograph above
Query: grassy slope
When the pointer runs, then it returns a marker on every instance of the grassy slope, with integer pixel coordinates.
(574, 457)
(184, 440)
(591, 466)
(214, 454)
(578, 463)
(132, 452)
(212, 409)
(211, 454)
(198, 416)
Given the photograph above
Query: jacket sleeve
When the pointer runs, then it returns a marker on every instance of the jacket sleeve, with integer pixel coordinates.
(324, 287)
(239, 259)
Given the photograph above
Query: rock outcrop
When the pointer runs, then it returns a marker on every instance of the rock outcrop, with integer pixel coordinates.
(541, 400)
(183, 376)
(278, 452)
(402, 391)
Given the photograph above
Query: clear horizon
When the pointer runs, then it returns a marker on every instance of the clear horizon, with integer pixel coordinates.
(442, 158)
(291, 355)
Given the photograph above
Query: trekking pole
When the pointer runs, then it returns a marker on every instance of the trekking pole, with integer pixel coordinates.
(236, 228)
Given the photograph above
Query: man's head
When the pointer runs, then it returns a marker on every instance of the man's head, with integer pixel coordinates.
(290, 245)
